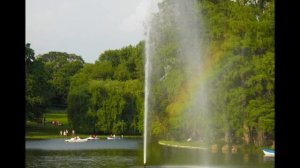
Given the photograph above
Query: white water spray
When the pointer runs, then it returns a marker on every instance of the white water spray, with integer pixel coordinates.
(147, 90)
(177, 26)
(151, 7)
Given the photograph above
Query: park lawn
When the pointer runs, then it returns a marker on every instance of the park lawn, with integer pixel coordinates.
(61, 117)
(43, 131)
(48, 130)
(193, 144)
(56, 115)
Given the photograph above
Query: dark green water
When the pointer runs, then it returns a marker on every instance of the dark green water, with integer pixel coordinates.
(128, 153)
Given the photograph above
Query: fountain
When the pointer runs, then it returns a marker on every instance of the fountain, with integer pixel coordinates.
(173, 48)
(147, 74)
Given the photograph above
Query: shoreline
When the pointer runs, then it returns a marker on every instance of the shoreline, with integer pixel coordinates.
(45, 137)
(181, 146)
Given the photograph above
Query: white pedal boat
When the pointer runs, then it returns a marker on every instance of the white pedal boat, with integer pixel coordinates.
(269, 152)
(76, 139)
(92, 138)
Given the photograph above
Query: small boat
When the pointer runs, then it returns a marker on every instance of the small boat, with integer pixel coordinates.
(269, 152)
(76, 139)
(92, 138)
(113, 138)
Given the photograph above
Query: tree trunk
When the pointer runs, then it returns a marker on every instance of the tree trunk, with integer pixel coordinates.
(227, 137)
(260, 138)
(246, 133)
(273, 144)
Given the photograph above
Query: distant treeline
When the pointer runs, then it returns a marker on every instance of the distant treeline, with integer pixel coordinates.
(105, 97)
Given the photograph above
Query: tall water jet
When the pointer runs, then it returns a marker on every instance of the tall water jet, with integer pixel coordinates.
(151, 9)
(175, 88)
(147, 90)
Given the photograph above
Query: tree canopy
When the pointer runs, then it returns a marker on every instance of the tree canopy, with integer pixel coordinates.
(238, 57)
(107, 96)
(37, 87)
(60, 66)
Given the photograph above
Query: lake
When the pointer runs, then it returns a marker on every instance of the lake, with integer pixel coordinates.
(123, 153)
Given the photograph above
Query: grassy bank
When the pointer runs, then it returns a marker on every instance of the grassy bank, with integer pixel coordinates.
(245, 149)
(49, 131)
(184, 144)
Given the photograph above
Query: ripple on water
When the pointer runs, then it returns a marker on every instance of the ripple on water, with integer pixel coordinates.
(60, 144)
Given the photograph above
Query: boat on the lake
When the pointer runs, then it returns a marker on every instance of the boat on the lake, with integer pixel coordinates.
(113, 137)
(269, 152)
(92, 138)
(76, 139)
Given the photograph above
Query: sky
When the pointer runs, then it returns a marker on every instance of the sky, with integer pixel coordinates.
(85, 27)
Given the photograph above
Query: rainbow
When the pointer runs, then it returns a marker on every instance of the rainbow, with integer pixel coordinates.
(195, 82)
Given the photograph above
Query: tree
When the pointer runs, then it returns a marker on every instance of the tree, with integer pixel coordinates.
(61, 67)
(112, 91)
(37, 88)
(238, 73)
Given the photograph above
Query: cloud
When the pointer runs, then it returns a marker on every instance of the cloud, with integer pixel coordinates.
(86, 28)
(135, 22)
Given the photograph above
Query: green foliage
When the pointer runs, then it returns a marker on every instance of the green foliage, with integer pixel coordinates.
(107, 96)
(239, 37)
(37, 88)
(60, 67)
(245, 78)
(29, 55)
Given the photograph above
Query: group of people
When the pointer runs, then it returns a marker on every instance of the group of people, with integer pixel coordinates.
(65, 132)
(55, 123)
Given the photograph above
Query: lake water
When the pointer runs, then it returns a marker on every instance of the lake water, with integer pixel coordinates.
(129, 153)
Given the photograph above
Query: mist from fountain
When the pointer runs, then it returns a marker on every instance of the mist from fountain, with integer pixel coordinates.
(184, 33)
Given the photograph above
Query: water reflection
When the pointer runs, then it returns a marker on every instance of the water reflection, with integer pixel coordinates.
(60, 144)
(86, 158)
(269, 159)
(246, 157)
